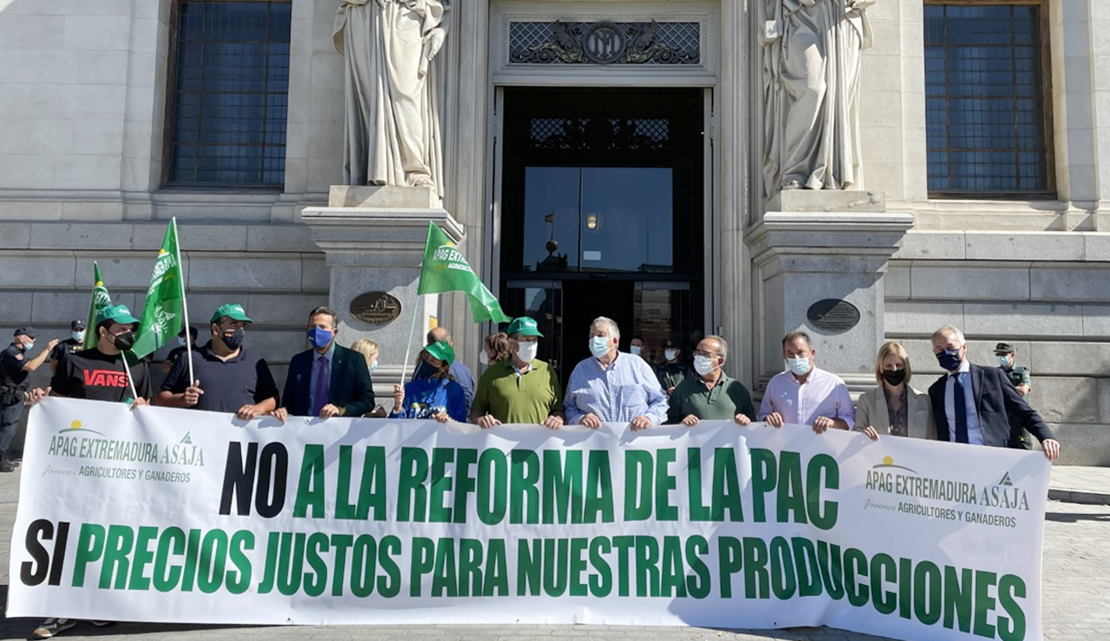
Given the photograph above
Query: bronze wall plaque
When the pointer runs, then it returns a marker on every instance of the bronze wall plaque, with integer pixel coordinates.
(375, 308)
(833, 315)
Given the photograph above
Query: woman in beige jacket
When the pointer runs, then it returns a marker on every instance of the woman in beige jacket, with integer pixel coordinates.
(893, 407)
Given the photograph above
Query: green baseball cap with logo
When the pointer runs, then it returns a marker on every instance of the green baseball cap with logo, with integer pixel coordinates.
(234, 311)
(117, 314)
(440, 350)
(524, 326)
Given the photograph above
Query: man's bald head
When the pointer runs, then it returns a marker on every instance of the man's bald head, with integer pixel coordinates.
(439, 334)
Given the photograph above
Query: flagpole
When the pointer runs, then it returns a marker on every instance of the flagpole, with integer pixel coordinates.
(130, 380)
(184, 303)
(408, 349)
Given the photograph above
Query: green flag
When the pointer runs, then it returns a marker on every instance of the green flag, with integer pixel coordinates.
(445, 270)
(163, 313)
(100, 300)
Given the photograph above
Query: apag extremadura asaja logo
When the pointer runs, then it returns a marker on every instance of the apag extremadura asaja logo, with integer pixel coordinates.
(898, 480)
(80, 442)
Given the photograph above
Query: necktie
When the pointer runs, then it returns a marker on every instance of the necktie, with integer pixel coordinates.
(959, 402)
(320, 397)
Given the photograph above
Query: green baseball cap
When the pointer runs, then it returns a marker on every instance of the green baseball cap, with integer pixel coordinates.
(117, 314)
(234, 311)
(440, 350)
(524, 326)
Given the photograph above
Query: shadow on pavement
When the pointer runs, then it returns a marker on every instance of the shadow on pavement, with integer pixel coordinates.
(1069, 517)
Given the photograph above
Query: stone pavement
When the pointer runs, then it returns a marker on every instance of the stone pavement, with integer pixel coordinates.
(1076, 584)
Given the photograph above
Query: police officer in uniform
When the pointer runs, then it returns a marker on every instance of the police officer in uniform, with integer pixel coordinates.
(1020, 378)
(672, 371)
(15, 368)
(71, 345)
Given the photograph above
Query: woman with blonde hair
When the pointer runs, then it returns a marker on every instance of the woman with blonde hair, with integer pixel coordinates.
(369, 351)
(893, 407)
(495, 348)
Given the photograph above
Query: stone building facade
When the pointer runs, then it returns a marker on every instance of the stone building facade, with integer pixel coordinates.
(987, 163)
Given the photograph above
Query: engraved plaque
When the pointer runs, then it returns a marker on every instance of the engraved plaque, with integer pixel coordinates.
(833, 315)
(375, 308)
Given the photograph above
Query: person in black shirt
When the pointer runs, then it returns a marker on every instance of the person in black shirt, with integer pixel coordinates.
(227, 376)
(98, 374)
(176, 352)
(71, 345)
(15, 367)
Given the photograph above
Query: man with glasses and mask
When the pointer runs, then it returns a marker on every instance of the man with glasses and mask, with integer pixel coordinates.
(711, 394)
(521, 388)
(227, 377)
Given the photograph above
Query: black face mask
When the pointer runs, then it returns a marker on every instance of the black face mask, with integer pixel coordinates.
(894, 377)
(124, 341)
(235, 341)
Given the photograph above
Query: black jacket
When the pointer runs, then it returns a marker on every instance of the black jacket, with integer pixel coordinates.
(350, 386)
(994, 397)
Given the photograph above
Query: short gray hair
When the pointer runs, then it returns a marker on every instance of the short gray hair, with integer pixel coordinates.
(723, 351)
(325, 311)
(948, 329)
(614, 331)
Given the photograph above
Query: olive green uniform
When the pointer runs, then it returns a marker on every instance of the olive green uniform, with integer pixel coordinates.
(1019, 438)
(728, 398)
(672, 374)
(519, 397)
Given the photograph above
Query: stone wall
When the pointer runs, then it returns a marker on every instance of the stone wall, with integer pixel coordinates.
(1055, 309)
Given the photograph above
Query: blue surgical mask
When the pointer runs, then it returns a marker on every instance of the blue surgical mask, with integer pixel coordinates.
(1003, 360)
(373, 367)
(799, 366)
(78, 336)
(181, 341)
(636, 349)
(28, 346)
(320, 338)
(599, 346)
(950, 359)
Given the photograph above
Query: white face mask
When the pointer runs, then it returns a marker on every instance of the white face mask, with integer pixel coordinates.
(526, 352)
(599, 346)
(78, 336)
(483, 357)
(636, 349)
(670, 354)
(703, 364)
(799, 366)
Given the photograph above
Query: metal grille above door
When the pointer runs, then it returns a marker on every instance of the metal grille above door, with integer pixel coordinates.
(605, 43)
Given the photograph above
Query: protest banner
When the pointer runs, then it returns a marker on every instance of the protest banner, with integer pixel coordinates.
(175, 515)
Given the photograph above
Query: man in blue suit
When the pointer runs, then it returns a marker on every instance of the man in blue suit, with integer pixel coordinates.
(327, 380)
(970, 403)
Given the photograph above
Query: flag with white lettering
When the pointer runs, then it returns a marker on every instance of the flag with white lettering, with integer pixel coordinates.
(163, 313)
(100, 300)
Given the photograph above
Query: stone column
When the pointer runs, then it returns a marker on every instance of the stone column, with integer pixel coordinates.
(818, 257)
(373, 239)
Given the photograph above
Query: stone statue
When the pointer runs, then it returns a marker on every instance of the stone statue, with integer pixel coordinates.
(392, 113)
(811, 67)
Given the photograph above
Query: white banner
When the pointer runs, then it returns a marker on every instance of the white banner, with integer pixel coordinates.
(173, 515)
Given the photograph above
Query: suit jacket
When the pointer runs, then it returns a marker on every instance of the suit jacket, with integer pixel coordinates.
(871, 410)
(994, 397)
(350, 386)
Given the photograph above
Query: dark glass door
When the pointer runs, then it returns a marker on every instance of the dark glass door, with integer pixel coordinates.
(601, 215)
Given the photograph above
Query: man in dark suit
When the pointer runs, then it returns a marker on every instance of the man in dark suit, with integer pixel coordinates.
(327, 380)
(973, 404)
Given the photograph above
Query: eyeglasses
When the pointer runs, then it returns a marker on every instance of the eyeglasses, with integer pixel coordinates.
(705, 354)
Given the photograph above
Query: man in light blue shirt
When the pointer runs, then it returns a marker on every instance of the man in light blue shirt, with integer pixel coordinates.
(613, 386)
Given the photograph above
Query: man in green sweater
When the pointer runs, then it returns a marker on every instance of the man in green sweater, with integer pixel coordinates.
(521, 388)
(711, 394)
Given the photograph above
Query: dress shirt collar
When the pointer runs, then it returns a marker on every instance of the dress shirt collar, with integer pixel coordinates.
(329, 354)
